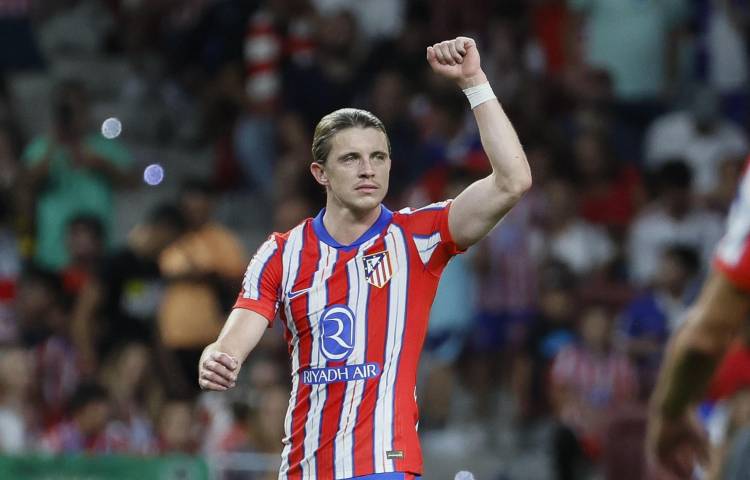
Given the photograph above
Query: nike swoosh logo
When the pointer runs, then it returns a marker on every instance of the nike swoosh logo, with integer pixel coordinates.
(297, 293)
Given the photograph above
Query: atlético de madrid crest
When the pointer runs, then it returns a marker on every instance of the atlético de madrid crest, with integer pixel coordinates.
(378, 268)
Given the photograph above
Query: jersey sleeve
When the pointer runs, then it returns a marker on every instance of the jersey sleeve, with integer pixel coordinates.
(732, 255)
(428, 226)
(262, 281)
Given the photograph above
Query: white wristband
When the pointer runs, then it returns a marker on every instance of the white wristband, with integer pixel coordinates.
(479, 94)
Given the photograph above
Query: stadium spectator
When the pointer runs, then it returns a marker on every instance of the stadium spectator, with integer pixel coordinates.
(16, 28)
(43, 324)
(700, 136)
(389, 100)
(612, 190)
(120, 301)
(17, 416)
(589, 382)
(645, 323)
(72, 170)
(82, 430)
(721, 46)
(10, 269)
(10, 166)
(132, 390)
(564, 236)
(551, 331)
(634, 42)
(85, 247)
(178, 429)
(202, 268)
(452, 314)
(669, 218)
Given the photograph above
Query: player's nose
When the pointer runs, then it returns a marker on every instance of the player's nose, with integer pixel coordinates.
(365, 168)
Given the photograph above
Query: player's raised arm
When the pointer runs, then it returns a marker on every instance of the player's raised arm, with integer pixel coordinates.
(481, 206)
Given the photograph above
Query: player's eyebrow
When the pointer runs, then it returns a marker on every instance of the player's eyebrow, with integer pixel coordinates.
(348, 154)
(378, 153)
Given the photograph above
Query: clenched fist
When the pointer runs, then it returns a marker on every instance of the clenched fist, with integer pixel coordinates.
(457, 60)
(677, 444)
(218, 371)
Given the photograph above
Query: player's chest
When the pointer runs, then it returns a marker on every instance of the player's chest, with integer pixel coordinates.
(357, 279)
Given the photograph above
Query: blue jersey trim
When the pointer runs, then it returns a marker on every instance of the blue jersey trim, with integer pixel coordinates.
(320, 229)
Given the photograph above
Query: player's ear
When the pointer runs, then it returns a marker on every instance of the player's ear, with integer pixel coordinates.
(318, 171)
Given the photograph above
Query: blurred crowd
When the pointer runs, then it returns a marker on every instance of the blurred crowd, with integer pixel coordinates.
(634, 117)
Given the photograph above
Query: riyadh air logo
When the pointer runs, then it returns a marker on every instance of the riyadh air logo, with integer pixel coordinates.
(337, 332)
(378, 268)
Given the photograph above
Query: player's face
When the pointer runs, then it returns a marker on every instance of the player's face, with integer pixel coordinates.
(356, 171)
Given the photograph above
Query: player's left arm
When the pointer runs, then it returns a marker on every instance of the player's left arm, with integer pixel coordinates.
(481, 206)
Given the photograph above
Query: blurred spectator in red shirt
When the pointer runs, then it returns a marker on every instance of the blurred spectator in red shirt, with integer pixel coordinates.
(590, 381)
(178, 430)
(83, 429)
(611, 191)
(131, 385)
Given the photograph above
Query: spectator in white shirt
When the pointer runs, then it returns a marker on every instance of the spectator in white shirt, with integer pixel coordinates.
(568, 238)
(698, 135)
(670, 218)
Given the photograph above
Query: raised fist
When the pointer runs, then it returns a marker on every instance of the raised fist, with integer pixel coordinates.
(457, 60)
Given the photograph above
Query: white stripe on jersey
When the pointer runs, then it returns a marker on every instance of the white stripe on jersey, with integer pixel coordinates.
(359, 290)
(432, 206)
(733, 244)
(290, 269)
(383, 431)
(317, 300)
(426, 246)
(251, 282)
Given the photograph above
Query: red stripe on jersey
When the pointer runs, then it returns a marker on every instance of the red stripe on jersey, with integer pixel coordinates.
(338, 288)
(308, 265)
(405, 408)
(377, 329)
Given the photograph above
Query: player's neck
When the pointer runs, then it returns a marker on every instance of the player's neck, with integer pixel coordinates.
(346, 225)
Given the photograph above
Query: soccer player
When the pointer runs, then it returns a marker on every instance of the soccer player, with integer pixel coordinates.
(675, 438)
(354, 287)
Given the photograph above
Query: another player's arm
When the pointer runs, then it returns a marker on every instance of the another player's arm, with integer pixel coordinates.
(715, 320)
(481, 206)
(220, 362)
(690, 361)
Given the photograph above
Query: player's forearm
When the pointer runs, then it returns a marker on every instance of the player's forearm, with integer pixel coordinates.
(240, 334)
(684, 378)
(510, 169)
(692, 356)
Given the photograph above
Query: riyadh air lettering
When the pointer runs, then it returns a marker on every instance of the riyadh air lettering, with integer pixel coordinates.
(344, 373)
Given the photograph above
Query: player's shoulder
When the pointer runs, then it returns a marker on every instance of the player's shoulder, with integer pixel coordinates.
(281, 238)
(427, 210)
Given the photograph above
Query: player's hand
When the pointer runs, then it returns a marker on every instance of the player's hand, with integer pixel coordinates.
(677, 444)
(218, 371)
(457, 60)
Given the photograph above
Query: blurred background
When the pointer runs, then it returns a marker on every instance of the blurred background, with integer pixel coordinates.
(148, 147)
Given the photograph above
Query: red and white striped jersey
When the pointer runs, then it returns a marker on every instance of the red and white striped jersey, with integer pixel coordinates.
(733, 253)
(355, 320)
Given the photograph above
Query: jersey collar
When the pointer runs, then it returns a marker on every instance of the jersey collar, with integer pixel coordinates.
(380, 223)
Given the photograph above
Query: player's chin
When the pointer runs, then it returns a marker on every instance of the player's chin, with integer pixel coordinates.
(367, 202)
